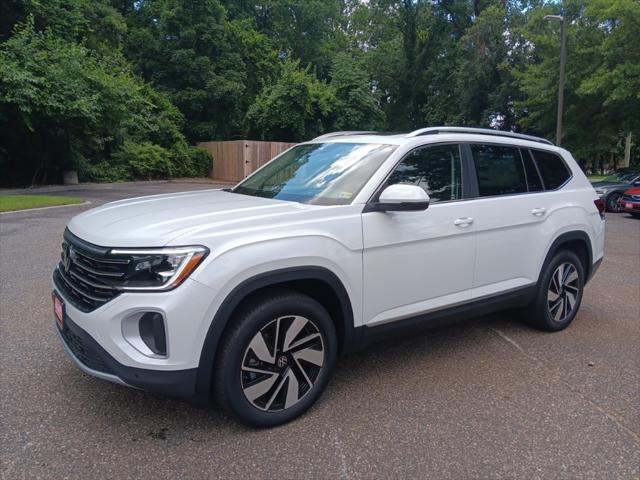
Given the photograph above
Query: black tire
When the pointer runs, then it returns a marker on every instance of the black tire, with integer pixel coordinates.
(612, 202)
(635, 215)
(236, 355)
(544, 312)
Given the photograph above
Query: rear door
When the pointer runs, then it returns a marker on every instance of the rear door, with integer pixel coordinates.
(416, 262)
(510, 211)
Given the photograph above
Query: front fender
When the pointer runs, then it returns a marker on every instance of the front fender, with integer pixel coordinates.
(231, 301)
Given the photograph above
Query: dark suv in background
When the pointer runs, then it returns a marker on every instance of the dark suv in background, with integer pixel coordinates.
(613, 187)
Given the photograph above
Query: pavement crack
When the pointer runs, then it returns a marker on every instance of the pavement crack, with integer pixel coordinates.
(611, 416)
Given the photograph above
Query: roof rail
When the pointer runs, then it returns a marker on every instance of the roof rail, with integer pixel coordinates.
(344, 134)
(479, 131)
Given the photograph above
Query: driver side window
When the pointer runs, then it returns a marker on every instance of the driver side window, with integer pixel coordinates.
(436, 169)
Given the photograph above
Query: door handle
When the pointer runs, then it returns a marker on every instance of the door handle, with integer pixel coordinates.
(538, 212)
(463, 222)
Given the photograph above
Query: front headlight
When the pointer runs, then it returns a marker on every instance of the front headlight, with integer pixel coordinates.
(158, 269)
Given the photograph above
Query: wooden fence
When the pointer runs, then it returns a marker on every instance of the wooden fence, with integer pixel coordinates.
(234, 160)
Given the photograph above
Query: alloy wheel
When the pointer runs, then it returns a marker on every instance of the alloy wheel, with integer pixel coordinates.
(613, 205)
(282, 362)
(563, 292)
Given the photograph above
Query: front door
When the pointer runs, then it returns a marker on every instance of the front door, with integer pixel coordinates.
(417, 262)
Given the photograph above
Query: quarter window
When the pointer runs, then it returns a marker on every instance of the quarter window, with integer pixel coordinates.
(552, 168)
(499, 169)
(435, 168)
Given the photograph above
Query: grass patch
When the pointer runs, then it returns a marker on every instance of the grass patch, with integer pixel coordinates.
(596, 178)
(10, 203)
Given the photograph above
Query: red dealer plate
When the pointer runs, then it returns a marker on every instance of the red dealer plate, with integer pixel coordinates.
(628, 205)
(58, 309)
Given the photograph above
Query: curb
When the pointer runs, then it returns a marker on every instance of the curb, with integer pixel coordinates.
(87, 202)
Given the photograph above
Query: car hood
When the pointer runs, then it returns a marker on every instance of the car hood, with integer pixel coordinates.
(607, 185)
(154, 221)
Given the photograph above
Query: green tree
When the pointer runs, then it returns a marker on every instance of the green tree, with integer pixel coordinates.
(208, 66)
(357, 107)
(411, 52)
(478, 76)
(95, 24)
(295, 107)
(309, 30)
(63, 107)
(601, 91)
(617, 73)
(616, 76)
(94, 82)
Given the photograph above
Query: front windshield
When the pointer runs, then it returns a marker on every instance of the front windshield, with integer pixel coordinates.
(318, 173)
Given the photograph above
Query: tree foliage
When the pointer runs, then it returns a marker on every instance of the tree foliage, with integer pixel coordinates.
(295, 106)
(602, 89)
(356, 105)
(120, 89)
(208, 65)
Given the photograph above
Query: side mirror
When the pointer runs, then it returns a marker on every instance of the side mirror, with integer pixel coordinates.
(401, 198)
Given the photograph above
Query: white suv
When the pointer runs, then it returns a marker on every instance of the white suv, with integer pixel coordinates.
(249, 294)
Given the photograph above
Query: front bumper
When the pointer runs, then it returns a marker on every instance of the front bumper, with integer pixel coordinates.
(94, 360)
(187, 312)
(101, 345)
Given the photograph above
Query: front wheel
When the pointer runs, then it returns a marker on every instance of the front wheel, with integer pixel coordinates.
(276, 360)
(559, 293)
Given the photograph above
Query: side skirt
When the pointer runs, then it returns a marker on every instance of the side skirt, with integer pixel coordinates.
(513, 299)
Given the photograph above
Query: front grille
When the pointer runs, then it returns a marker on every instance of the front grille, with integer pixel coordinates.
(83, 352)
(88, 279)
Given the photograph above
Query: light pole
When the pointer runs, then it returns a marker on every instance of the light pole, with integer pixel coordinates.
(563, 61)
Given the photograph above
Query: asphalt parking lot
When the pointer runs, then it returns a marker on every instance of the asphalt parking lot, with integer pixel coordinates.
(490, 398)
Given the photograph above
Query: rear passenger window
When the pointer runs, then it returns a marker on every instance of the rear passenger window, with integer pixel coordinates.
(552, 168)
(499, 170)
(533, 177)
(435, 168)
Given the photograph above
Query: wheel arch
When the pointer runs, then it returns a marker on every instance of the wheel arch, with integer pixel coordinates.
(317, 282)
(576, 241)
(607, 197)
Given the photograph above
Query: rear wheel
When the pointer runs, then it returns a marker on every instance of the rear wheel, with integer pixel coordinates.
(612, 202)
(277, 359)
(559, 294)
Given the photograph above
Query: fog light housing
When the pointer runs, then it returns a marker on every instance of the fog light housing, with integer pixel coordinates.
(152, 332)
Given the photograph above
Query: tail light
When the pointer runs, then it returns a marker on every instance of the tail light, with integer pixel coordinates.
(599, 203)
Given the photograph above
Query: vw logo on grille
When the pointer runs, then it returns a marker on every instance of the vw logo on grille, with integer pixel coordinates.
(282, 361)
(66, 258)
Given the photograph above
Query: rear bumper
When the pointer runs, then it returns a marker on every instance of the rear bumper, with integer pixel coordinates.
(92, 359)
(634, 205)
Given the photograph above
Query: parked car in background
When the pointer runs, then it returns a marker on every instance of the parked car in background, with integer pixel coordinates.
(613, 187)
(630, 202)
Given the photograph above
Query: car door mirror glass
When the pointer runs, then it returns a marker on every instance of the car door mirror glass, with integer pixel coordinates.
(400, 197)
